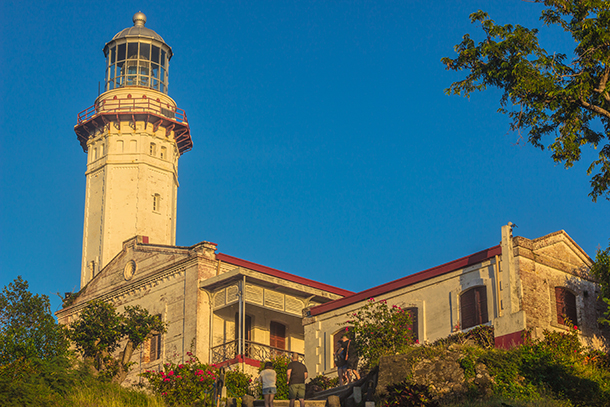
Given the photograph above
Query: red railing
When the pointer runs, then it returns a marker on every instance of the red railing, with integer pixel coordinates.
(133, 105)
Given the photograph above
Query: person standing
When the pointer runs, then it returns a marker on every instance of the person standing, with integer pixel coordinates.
(267, 377)
(351, 356)
(297, 374)
(341, 363)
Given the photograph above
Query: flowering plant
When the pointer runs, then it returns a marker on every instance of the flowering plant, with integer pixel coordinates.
(193, 383)
(378, 329)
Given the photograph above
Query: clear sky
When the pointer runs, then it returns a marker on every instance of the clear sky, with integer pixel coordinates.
(324, 144)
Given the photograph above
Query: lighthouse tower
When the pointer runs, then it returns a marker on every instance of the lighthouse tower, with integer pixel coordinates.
(133, 135)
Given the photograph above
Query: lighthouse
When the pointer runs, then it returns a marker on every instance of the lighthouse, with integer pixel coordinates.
(134, 135)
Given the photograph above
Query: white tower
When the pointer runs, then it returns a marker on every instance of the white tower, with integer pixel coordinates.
(134, 135)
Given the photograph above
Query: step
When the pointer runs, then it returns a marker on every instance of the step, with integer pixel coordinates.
(286, 403)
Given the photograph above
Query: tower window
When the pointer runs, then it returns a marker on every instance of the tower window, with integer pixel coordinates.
(156, 202)
(153, 149)
(163, 153)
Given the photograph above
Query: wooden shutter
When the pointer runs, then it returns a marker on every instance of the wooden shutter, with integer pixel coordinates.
(473, 306)
(277, 335)
(414, 322)
(565, 302)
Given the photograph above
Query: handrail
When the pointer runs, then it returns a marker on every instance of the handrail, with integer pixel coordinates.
(253, 350)
(133, 105)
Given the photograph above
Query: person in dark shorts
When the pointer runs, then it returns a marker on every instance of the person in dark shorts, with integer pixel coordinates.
(351, 355)
(297, 374)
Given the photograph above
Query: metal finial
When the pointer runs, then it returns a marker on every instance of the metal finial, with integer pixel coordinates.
(139, 19)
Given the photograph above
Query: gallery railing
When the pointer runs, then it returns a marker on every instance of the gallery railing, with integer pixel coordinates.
(252, 350)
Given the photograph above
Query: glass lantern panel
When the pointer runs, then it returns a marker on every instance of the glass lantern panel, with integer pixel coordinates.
(132, 50)
(120, 52)
(131, 80)
(120, 68)
(110, 85)
(145, 51)
(155, 84)
(163, 88)
(162, 58)
(155, 54)
(112, 55)
(112, 70)
(155, 71)
(144, 68)
(163, 75)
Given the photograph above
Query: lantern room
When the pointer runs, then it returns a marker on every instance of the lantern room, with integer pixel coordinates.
(137, 56)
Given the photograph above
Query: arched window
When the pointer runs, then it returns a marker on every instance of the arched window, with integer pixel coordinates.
(565, 302)
(473, 307)
(153, 149)
(163, 153)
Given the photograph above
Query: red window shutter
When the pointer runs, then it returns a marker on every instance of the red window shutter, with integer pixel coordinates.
(473, 306)
(565, 302)
(277, 335)
(414, 322)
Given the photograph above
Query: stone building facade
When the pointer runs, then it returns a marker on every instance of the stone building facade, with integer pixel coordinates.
(517, 286)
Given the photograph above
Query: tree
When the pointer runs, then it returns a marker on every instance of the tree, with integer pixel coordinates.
(100, 331)
(378, 329)
(601, 270)
(568, 101)
(28, 330)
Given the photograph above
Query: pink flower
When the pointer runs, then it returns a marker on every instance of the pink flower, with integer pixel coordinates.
(201, 379)
(179, 377)
(167, 379)
(417, 341)
(180, 366)
(575, 328)
(170, 373)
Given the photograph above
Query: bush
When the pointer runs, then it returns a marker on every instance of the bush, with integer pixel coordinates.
(193, 383)
(280, 365)
(378, 330)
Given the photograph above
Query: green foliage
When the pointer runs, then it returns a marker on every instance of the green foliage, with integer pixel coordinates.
(27, 327)
(321, 382)
(407, 394)
(192, 383)
(553, 371)
(482, 335)
(35, 382)
(566, 100)
(280, 365)
(601, 270)
(378, 330)
(100, 329)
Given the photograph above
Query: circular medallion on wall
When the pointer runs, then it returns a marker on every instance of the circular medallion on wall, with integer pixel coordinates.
(129, 270)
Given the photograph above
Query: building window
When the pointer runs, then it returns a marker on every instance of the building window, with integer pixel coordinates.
(473, 307)
(163, 153)
(277, 335)
(153, 149)
(414, 322)
(156, 206)
(565, 302)
(155, 347)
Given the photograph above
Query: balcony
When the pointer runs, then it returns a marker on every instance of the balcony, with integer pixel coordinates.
(227, 352)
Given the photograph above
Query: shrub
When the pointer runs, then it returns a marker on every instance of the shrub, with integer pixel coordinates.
(407, 394)
(378, 330)
(193, 383)
(280, 365)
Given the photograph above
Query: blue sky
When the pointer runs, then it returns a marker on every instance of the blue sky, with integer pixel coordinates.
(324, 144)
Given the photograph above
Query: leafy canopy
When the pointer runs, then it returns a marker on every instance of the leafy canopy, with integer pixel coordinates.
(601, 270)
(378, 329)
(28, 330)
(100, 330)
(545, 93)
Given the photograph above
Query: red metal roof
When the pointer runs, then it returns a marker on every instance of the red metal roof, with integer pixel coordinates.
(408, 280)
(281, 274)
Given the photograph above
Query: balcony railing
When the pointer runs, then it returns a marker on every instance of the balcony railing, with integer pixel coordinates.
(252, 350)
(133, 105)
